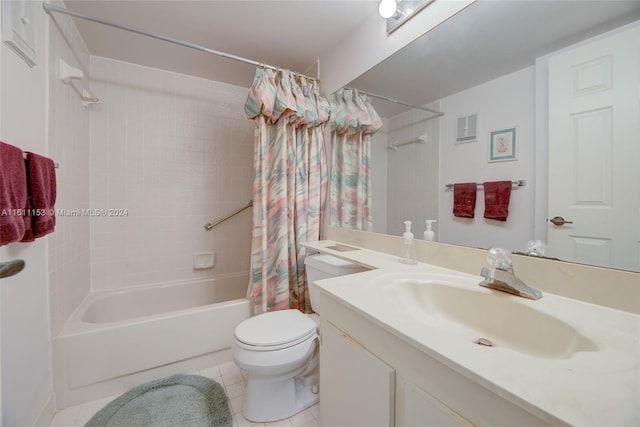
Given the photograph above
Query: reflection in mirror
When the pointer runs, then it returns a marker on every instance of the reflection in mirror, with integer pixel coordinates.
(517, 82)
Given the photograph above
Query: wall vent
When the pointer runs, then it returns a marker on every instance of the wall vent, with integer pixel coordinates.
(466, 128)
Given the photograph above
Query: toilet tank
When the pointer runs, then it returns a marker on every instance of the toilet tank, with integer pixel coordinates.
(322, 266)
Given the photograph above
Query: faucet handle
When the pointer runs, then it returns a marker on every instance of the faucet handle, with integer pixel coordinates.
(489, 275)
(536, 248)
(499, 258)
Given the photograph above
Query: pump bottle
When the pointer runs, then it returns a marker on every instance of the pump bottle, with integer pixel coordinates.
(407, 250)
(428, 233)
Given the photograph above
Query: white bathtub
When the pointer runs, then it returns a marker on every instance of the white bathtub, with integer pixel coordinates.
(119, 339)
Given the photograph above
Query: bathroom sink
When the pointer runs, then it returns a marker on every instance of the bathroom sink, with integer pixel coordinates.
(342, 248)
(470, 312)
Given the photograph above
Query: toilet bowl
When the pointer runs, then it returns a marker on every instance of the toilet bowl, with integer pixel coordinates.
(279, 351)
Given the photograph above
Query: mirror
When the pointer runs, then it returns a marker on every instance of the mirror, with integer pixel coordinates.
(485, 68)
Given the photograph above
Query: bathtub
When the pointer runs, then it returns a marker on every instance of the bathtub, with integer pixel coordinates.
(116, 340)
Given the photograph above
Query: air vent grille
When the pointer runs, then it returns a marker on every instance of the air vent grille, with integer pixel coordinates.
(466, 128)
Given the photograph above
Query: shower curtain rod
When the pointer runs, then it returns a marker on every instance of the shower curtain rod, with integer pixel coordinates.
(50, 8)
(374, 95)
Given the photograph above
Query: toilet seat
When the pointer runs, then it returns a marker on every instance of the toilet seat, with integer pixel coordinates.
(275, 330)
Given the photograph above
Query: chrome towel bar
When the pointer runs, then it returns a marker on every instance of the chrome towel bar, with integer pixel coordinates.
(518, 183)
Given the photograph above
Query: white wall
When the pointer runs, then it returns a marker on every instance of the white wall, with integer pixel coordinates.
(69, 274)
(26, 348)
(370, 44)
(379, 156)
(176, 152)
(500, 104)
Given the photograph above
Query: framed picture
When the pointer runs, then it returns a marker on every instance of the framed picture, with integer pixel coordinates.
(503, 145)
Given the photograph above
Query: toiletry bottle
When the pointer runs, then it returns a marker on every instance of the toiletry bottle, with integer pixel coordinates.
(428, 233)
(407, 250)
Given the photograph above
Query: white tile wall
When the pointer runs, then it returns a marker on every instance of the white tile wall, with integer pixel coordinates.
(175, 152)
(69, 276)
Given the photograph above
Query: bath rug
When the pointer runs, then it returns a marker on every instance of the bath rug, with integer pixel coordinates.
(176, 401)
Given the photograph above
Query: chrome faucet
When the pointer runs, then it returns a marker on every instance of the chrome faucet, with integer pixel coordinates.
(503, 278)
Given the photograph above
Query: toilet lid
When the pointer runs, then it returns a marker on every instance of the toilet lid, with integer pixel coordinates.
(275, 328)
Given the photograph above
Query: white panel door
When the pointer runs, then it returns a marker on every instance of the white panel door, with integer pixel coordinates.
(356, 388)
(594, 152)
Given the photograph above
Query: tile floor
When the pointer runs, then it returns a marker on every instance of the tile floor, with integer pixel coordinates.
(232, 380)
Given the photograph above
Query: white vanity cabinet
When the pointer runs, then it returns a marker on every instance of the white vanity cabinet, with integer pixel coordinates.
(359, 386)
(371, 376)
(419, 409)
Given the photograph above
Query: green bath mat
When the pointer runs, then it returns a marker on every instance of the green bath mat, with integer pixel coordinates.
(176, 401)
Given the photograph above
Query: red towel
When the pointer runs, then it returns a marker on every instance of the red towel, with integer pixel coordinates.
(13, 194)
(464, 199)
(41, 181)
(496, 199)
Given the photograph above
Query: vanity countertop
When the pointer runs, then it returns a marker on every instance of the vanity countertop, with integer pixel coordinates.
(582, 388)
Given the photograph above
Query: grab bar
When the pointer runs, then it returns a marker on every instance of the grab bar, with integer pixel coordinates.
(208, 226)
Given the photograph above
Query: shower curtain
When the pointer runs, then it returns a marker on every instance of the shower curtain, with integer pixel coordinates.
(353, 122)
(289, 185)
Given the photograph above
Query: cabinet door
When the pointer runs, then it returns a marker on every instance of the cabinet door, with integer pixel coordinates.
(423, 410)
(356, 388)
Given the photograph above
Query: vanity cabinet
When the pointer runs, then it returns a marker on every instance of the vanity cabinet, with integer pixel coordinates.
(356, 387)
(371, 376)
(421, 409)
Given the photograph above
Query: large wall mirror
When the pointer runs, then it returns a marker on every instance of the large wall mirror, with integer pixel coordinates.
(560, 79)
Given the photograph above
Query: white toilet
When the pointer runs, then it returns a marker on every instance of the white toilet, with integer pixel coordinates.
(279, 351)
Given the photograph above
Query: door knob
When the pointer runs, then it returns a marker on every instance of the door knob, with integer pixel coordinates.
(11, 268)
(558, 220)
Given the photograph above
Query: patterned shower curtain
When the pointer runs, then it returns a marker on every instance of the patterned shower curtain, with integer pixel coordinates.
(289, 185)
(353, 122)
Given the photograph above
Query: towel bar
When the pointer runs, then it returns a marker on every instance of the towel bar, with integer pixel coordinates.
(55, 164)
(517, 183)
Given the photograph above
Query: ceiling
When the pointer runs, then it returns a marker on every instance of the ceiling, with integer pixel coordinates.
(287, 34)
(487, 40)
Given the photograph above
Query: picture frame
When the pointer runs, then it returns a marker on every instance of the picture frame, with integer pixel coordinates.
(503, 145)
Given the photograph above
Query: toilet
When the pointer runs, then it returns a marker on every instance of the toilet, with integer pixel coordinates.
(279, 351)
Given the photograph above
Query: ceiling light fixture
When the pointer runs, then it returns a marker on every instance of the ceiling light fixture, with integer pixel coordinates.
(397, 12)
(388, 9)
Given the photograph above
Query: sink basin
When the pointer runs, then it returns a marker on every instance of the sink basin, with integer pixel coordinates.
(467, 311)
(342, 248)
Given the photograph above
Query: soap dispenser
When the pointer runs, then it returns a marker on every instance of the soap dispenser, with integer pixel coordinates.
(428, 233)
(407, 250)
